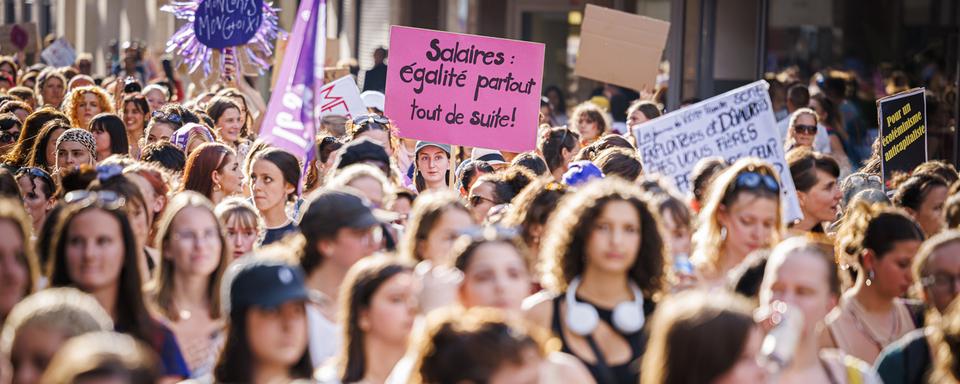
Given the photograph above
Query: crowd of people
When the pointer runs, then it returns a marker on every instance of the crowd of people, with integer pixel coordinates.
(149, 236)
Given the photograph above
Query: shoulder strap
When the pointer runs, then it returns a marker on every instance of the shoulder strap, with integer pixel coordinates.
(606, 374)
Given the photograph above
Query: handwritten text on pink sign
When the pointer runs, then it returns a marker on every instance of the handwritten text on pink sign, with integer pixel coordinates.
(464, 89)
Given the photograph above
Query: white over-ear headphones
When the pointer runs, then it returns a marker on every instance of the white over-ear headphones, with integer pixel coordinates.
(582, 318)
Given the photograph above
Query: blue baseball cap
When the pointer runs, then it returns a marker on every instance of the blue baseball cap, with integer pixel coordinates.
(263, 283)
(581, 172)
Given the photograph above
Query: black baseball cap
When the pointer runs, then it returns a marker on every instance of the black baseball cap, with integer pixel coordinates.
(360, 151)
(264, 283)
(330, 209)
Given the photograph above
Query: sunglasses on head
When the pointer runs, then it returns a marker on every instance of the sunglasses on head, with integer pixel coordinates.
(173, 117)
(862, 179)
(34, 172)
(805, 129)
(490, 233)
(103, 199)
(370, 118)
(755, 180)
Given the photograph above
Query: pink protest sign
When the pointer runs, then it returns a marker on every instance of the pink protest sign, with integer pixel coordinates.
(464, 89)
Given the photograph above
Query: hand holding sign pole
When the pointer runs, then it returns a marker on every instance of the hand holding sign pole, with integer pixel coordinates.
(464, 89)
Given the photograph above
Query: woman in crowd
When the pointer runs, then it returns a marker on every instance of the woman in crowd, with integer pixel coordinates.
(110, 134)
(186, 289)
(37, 190)
(229, 123)
(494, 189)
(83, 103)
(829, 117)
(496, 269)
(154, 183)
(161, 127)
(274, 175)
(530, 211)
(620, 162)
(378, 308)
(367, 179)
(603, 262)
(376, 128)
(135, 112)
(590, 122)
(95, 250)
(41, 323)
(435, 223)
(703, 338)
(558, 146)
(531, 162)
(21, 154)
(157, 95)
(51, 87)
(818, 190)
(881, 242)
(213, 171)
(431, 170)
(677, 221)
(802, 129)
(44, 152)
(741, 214)
(923, 196)
(242, 224)
(104, 357)
(19, 267)
(641, 112)
(266, 339)
(10, 126)
(75, 147)
(804, 276)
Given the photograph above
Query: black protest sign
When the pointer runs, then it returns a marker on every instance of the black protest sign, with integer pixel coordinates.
(903, 131)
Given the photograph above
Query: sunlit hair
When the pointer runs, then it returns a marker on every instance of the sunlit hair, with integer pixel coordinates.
(424, 215)
(800, 112)
(162, 285)
(466, 245)
(710, 329)
(359, 286)
(944, 342)
(103, 356)
(12, 210)
(803, 245)
(873, 227)
(469, 346)
(42, 79)
(343, 177)
(722, 194)
(238, 209)
(564, 251)
(197, 174)
(66, 311)
(220, 105)
(533, 205)
(921, 262)
(71, 103)
(594, 113)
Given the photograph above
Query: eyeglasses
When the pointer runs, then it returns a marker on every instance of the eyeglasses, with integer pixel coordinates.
(35, 172)
(805, 129)
(475, 200)
(942, 281)
(104, 199)
(172, 117)
(370, 118)
(755, 180)
(206, 237)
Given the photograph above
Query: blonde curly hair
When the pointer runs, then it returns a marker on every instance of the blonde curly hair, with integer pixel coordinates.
(71, 103)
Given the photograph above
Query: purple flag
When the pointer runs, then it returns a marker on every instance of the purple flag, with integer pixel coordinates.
(292, 116)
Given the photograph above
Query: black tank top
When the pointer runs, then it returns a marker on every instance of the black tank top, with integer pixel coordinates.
(628, 372)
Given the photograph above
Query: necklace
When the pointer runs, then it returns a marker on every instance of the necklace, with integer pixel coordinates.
(857, 311)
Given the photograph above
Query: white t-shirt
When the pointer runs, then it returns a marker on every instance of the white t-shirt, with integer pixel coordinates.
(324, 336)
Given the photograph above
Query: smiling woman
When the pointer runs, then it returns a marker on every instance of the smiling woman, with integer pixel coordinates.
(83, 103)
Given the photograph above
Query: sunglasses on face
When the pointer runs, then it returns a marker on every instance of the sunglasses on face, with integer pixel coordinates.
(8, 137)
(754, 180)
(104, 199)
(805, 129)
(475, 200)
(370, 118)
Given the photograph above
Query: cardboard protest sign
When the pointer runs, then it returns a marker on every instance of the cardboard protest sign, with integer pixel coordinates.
(341, 97)
(620, 48)
(227, 23)
(59, 53)
(464, 89)
(19, 37)
(903, 131)
(733, 125)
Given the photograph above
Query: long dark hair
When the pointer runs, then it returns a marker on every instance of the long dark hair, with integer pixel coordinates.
(32, 126)
(141, 103)
(38, 155)
(220, 105)
(131, 312)
(360, 284)
(565, 240)
(288, 164)
(235, 363)
(114, 126)
(553, 142)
